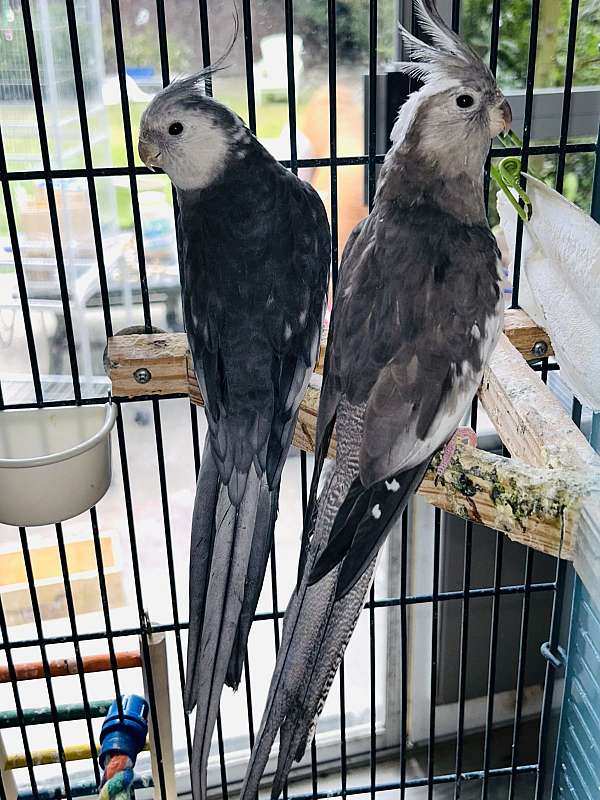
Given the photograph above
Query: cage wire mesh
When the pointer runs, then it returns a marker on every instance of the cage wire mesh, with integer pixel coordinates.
(443, 691)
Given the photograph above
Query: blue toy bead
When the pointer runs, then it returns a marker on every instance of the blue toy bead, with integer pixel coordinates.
(126, 735)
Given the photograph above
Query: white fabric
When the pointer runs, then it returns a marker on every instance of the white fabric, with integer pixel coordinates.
(560, 282)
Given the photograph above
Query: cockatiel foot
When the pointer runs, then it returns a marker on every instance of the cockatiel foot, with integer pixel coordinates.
(466, 435)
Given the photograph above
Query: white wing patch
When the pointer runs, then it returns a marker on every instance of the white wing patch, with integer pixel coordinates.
(450, 412)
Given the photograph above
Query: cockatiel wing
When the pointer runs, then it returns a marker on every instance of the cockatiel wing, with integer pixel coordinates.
(414, 361)
(291, 317)
(256, 426)
(411, 359)
(253, 368)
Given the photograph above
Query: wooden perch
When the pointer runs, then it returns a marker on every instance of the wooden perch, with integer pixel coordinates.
(165, 356)
(531, 505)
(525, 336)
(535, 428)
(528, 417)
(537, 503)
(166, 359)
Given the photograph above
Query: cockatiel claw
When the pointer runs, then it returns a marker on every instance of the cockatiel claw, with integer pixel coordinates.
(464, 435)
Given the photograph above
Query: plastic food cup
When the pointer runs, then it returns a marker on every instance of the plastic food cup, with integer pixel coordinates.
(55, 463)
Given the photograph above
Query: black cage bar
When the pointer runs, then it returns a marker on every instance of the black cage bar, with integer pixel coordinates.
(462, 764)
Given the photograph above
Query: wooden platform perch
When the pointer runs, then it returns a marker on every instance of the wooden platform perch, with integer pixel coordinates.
(536, 498)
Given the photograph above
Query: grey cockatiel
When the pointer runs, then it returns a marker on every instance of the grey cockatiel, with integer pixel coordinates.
(254, 251)
(418, 311)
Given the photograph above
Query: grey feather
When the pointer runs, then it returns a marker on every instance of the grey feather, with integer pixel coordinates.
(201, 546)
(306, 616)
(224, 600)
(262, 541)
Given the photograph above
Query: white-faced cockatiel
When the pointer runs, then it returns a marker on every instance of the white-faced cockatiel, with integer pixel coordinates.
(254, 253)
(417, 313)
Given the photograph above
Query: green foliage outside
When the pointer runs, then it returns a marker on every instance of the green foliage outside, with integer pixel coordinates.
(352, 28)
(551, 57)
(552, 42)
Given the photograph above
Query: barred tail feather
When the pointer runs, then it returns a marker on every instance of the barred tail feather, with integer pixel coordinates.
(323, 614)
(294, 660)
(261, 547)
(201, 547)
(329, 644)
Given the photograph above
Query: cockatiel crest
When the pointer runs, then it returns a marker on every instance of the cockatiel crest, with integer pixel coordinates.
(449, 59)
(459, 102)
(190, 135)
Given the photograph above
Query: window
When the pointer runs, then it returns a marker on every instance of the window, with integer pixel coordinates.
(73, 254)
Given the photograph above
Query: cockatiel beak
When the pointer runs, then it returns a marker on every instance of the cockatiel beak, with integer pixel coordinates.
(149, 153)
(500, 117)
(506, 115)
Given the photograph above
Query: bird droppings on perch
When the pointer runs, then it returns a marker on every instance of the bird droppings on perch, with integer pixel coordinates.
(532, 505)
(533, 425)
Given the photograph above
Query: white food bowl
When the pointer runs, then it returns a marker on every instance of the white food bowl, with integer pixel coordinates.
(54, 462)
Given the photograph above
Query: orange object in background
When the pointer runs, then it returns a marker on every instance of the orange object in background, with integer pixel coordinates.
(100, 662)
(314, 124)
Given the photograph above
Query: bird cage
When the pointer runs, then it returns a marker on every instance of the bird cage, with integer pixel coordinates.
(20, 127)
(55, 68)
(455, 679)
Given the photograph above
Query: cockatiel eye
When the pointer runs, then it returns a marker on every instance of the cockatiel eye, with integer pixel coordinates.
(175, 128)
(465, 100)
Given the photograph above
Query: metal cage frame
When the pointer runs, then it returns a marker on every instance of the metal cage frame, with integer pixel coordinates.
(370, 159)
